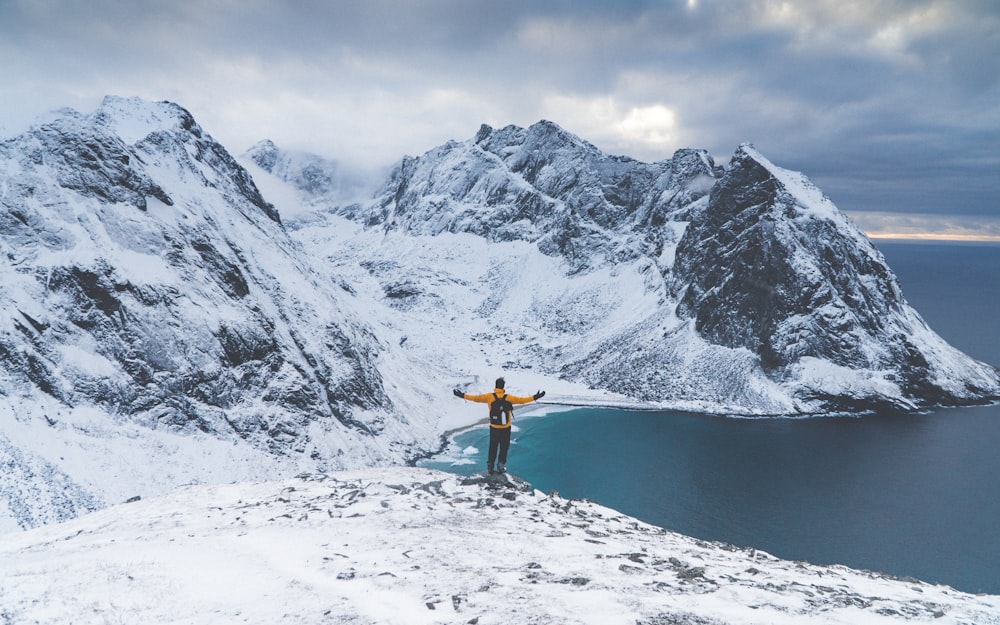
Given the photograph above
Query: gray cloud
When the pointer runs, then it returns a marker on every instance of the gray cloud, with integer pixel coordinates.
(887, 105)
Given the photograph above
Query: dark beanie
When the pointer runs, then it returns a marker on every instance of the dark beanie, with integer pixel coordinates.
(500, 382)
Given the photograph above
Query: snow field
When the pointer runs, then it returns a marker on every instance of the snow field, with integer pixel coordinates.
(415, 546)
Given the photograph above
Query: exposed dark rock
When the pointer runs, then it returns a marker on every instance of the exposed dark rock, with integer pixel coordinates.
(765, 272)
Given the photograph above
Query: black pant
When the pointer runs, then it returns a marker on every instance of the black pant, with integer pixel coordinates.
(499, 441)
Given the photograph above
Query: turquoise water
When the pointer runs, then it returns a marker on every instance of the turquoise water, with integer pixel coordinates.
(909, 495)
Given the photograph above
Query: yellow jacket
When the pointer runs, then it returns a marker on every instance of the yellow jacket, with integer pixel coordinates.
(487, 398)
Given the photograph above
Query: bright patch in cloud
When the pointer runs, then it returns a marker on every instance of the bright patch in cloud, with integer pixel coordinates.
(643, 132)
(925, 227)
(649, 124)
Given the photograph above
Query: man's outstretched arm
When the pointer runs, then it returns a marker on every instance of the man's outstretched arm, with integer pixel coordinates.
(485, 398)
(524, 400)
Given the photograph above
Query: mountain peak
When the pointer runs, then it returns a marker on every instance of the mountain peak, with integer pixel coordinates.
(485, 131)
(542, 135)
(133, 119)
(808, 197)
(547, 127)
(150, 280)
(773, 267)
(265, 153)
(316, 178)
(542, 184)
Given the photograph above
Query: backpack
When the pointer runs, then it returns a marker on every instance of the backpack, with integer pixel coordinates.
(500, 410)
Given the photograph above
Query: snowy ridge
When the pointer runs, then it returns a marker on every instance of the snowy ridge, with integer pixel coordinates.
(413, 546)
(738, 289)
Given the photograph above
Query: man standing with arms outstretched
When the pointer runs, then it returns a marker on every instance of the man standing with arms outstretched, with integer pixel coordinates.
(501, 417)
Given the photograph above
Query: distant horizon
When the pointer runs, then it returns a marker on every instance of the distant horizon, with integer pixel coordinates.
(931, 237)
(926, 227)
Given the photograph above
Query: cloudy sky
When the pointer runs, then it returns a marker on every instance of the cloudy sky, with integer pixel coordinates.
(891, 106)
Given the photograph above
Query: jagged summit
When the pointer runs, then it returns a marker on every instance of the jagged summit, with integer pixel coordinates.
(108, 154)
(265, 153)
(543, 134)
(133, 119)
(544, 185)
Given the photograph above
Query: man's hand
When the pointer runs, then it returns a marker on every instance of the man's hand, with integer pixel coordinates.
(539, 395)
(459, 393)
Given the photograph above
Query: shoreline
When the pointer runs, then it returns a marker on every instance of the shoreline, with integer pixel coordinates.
(536, 410)
(541, 409)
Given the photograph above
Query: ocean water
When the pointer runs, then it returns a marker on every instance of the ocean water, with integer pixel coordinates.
(911, 495)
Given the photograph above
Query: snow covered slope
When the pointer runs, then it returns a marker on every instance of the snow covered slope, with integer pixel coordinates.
(153, 307)
(684, 284)
(413, 546)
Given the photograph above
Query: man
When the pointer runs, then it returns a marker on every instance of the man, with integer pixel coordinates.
(501, 417)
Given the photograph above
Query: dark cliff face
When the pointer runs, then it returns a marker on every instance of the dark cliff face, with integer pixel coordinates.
(158, 257)
(764, 270)
(757, 259)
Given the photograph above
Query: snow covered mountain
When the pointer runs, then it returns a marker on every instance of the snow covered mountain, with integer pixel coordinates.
(546, 186)
(772, 267)
(155, 311)
(413, 546)
(737, 288)
(172, 315)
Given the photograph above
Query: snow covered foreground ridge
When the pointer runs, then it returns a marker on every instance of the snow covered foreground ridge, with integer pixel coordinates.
(408, 546)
